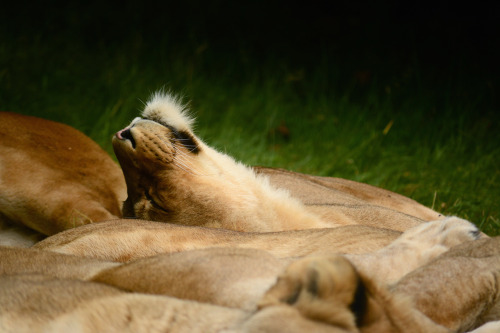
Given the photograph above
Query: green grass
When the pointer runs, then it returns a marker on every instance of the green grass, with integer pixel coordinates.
(405, 132)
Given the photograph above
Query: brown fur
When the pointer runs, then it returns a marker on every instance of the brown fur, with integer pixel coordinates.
(329, 289)
(42, 290)
(414, 247)
(63, 305)
(353, 199)
(229, 277)
(172, 176)
(125, 240)
(235, 277)
(34, 303)
(455, 293)
(67, 180)
(321, 294)
(32, 261)
(466, 280)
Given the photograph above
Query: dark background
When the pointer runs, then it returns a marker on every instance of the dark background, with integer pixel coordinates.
(449, 44)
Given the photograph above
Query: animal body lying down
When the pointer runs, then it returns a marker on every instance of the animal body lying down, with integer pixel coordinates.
(52, 178)
(236, 289)
(245, 282)
(458, 291)
(172, 176)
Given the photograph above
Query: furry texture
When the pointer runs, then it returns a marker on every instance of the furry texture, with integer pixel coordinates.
(67, 180)
(221, 274)
(127, 240)
(168, 108)
(330, 289)
(322, 293)
(173, 176)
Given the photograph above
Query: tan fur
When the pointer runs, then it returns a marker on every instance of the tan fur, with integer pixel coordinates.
(125, 240)
(415, 247)
(229, 277)
(455, 293)
(313, 294)
(352, 199)
(174, 273)
(235, 277)
(87, 307)
(466, 280)
(40, 304)
(32, 261)
(172, 176)
(53, 177)
(18, 235)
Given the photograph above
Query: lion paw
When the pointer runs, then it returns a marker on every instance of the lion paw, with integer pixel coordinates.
(416, 247)
(322, 288)
(448, 232)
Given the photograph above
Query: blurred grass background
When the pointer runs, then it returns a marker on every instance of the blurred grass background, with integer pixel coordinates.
(401, 98)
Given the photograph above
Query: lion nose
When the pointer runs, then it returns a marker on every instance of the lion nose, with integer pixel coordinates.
(126, 134)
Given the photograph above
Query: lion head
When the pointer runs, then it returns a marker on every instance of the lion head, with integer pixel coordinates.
(173, 176)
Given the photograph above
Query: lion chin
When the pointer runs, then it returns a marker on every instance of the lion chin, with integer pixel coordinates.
(173, 176)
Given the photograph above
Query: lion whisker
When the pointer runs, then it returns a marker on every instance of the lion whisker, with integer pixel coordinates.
(184, 167)
(179, 152)
(177, 149)
(177, 139)
(184, 161)
(186, 157)
(189, 147)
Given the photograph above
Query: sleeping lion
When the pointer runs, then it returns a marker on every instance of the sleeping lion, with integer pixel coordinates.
(457, 292)
(52, 178)
(173, 176)
(430, 289)
(67, 180)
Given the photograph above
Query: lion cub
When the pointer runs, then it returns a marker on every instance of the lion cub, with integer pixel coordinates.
(173, 176)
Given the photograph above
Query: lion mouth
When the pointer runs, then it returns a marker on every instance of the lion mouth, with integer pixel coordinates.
(126, 134)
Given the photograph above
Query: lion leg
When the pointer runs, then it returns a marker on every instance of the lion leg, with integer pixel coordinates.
(321, 288)
(328, 289)
(460, 289)
(414, 248)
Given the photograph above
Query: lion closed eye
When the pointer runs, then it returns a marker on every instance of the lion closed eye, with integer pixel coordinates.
(173, 176)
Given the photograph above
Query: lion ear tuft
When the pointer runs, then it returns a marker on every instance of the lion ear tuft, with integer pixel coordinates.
(169, 109)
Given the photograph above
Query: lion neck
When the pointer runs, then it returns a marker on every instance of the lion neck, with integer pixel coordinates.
(251, 202)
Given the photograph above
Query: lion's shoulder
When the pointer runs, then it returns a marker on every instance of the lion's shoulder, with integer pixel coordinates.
(67, 178)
